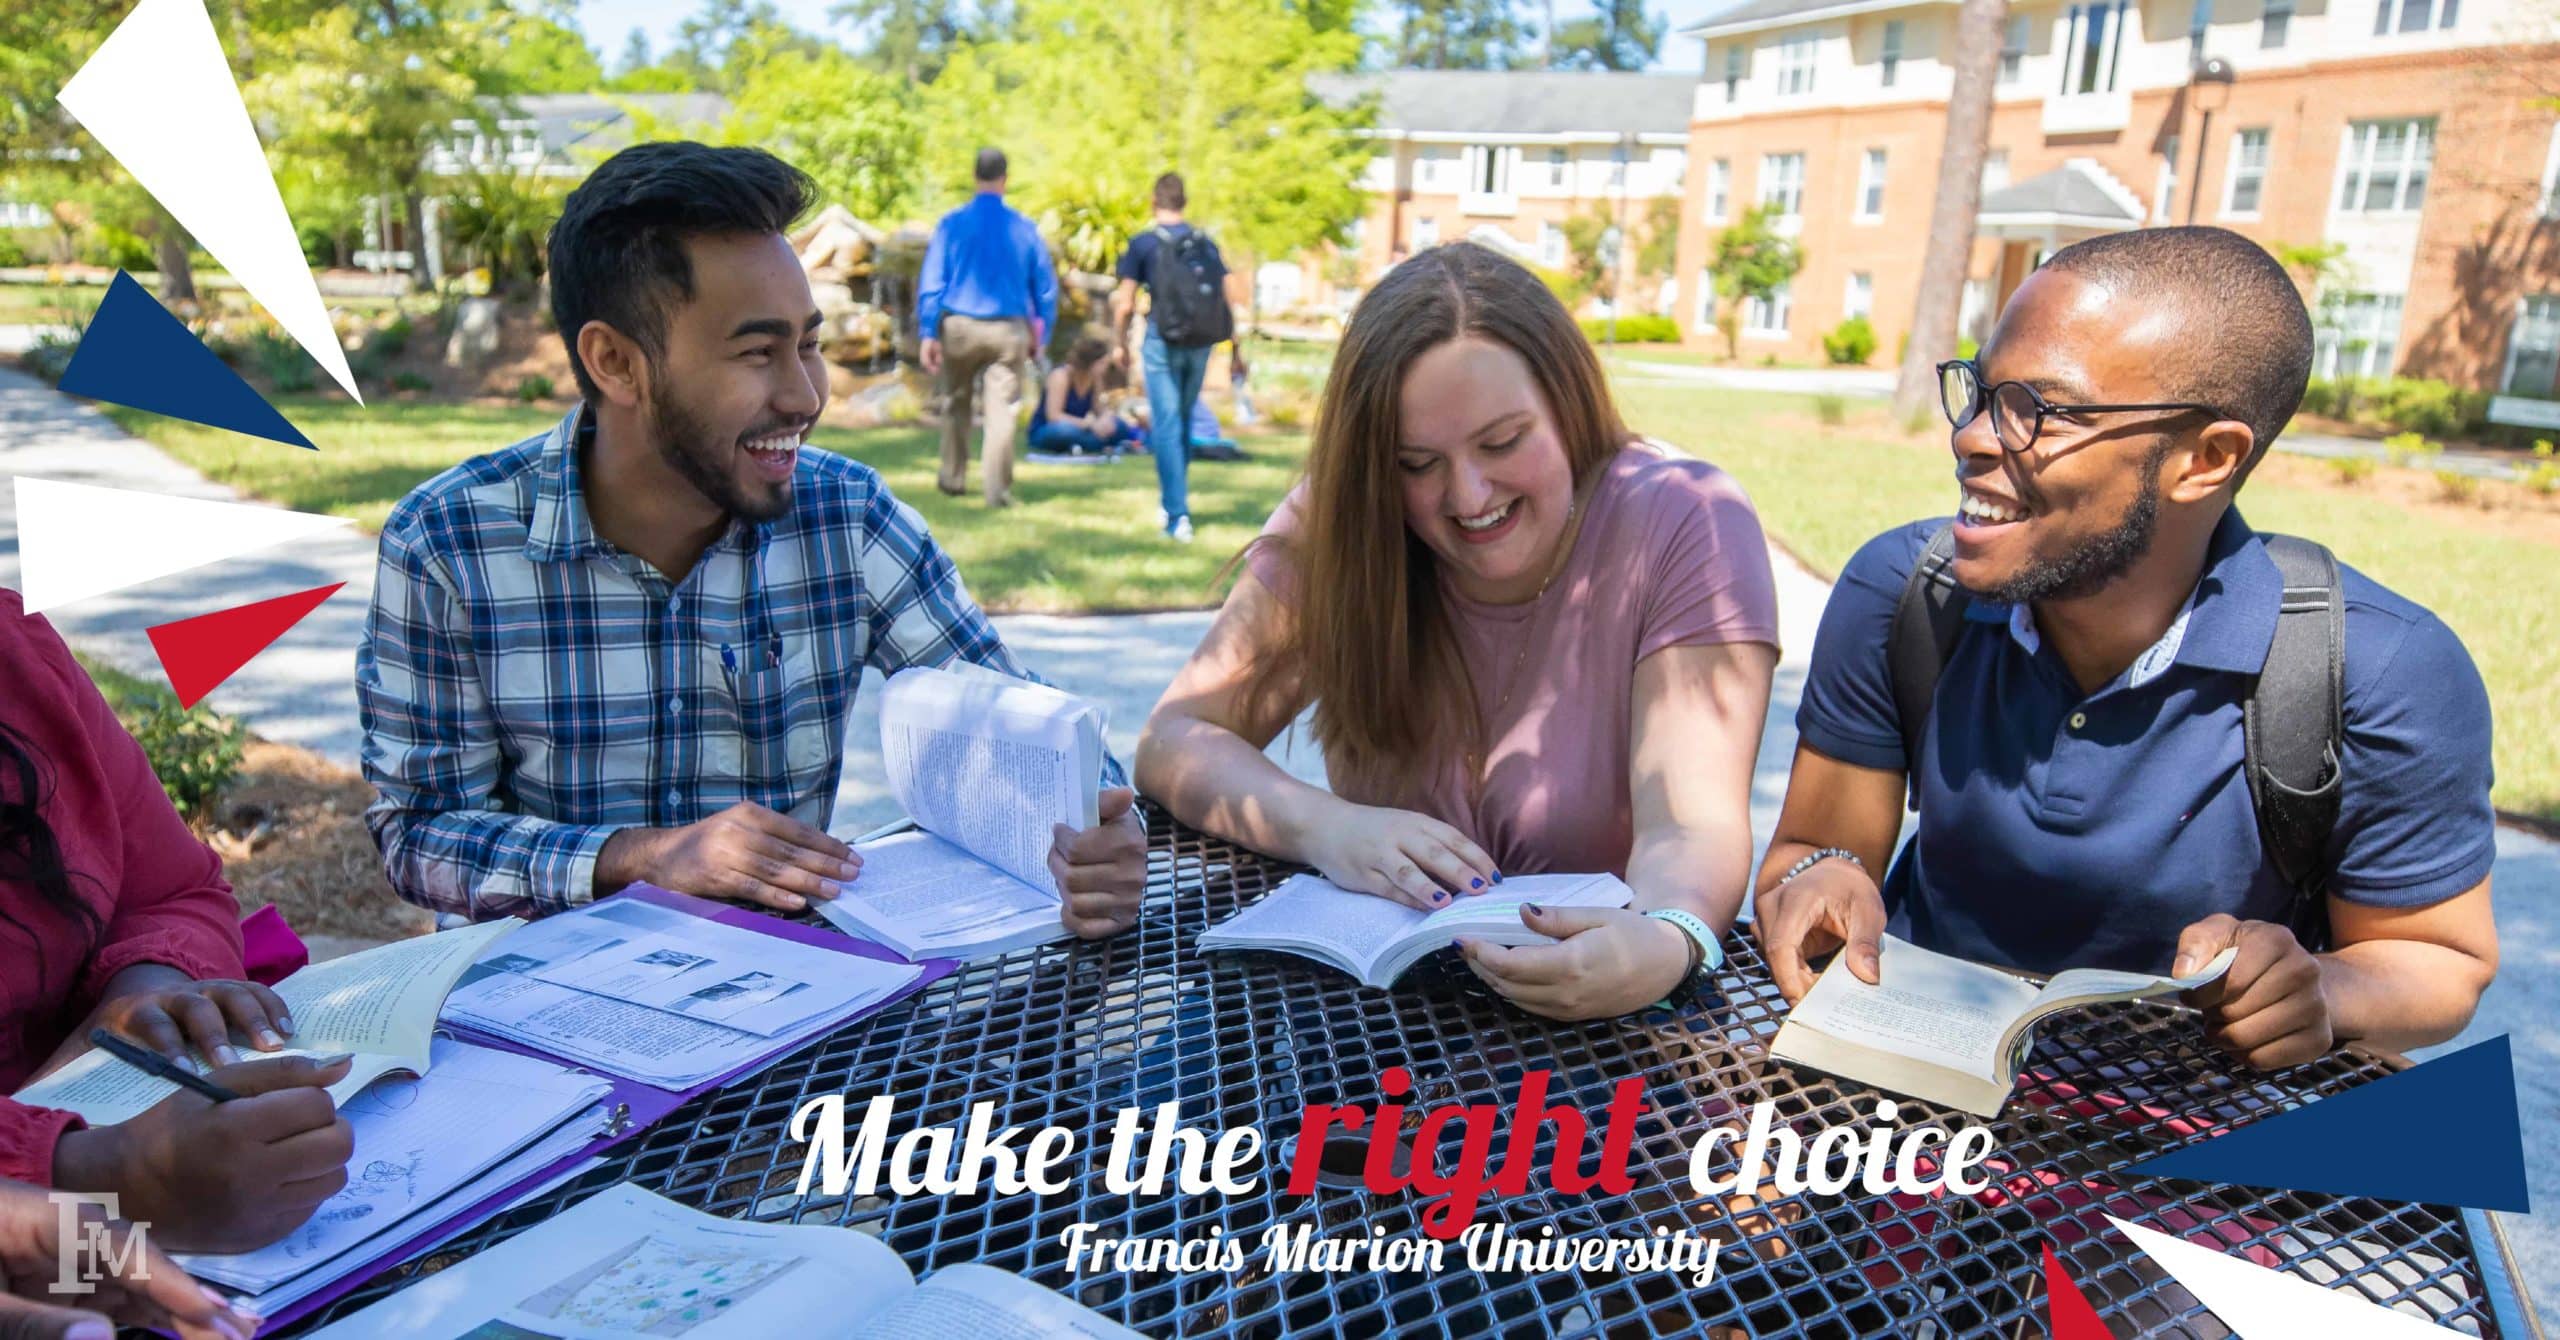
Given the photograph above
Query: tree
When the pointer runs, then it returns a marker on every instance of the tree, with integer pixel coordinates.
(852, 129)
(1752, 260)
(1975, 53)
(1660, 253)
(542, 52)
(1461, 35)
(719, 45)
(912, 39)
(1587, 272)
(1620, 37)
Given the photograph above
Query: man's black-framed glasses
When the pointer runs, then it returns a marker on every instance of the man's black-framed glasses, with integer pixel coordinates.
(2018, 411)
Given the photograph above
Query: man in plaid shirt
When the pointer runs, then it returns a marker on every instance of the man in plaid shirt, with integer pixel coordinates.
(625, 649)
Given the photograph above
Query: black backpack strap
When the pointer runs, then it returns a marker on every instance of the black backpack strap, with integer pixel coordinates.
(2296, 728)
(1926, 623)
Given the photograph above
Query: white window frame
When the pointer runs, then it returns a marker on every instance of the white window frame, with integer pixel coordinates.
(2275, 25)
(2551, 177)
(1488, 168)
(1889, 53)
(1559, 166)
(2091, 32)
(2548, 318)
(1858, 296)
(2199, 25)
(1799, 56)
(1426, 233)
(1737, 55)
(1768, 320)
(1720, 187)
(2240, 169)
(2164, 187)
(1550, 245)
(2358, 161)
(2013, 49)
(2369, 319)
(1782, 183)
(1995, 170)
(1871, 170)
(2391, 17)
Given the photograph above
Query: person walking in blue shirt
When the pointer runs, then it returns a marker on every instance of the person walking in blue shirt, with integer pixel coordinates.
(2082, 772)
(1183, 329)
(985, 303)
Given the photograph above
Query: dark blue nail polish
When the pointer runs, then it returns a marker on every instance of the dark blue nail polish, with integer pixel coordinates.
(1476, 883)
(1535, 908)
(1437, 897)
(1497, 876)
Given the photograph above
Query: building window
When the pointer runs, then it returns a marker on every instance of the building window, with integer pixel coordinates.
(1995, 170)
(2164, 189)
(2092, 36)
(1720, 185)
(1889, 63)
(1733, 58)
(1860, 300)
(2358, 335)
(2533, 350)
(2551, 177)
(1770, 317)
(2275, 24)
(2248, 171)
(1426, 233)
(2383, 169)
(1550, 245)
(2013, 49)
(1871, 186)
(2413, 16)
(1795, 65)
(1488, 169)
(1782, 183)
(2199, 20)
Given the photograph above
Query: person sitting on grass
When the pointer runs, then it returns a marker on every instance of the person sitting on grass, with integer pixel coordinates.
(1071, 419)
(1533, 642)
(2081, 773)
(627, 647)
(114, 916)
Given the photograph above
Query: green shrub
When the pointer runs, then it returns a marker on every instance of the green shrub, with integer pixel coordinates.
(1831, 409)
(119, 249)
(50, 356)
(1634, 328)
(2407, 404)
(533, 388)
(1852, 341)
(194, 752)
(283, 363)
(392, 338)
(13, 252)
(1968, 347)
(2408, 449)
(2455, 486)
(405, 380)
(2543, 476)
(2351, 469)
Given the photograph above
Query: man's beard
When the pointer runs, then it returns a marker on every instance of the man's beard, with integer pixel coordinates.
(692, 450)
(2088, 569)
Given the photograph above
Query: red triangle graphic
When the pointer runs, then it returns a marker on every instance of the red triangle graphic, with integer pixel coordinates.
(199, 653)
(2068, 1315)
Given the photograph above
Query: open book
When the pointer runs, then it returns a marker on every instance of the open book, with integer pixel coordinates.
(381, 1004)
(625, 1262)
(1375, 939)
(986, 765)
(1944, 1030)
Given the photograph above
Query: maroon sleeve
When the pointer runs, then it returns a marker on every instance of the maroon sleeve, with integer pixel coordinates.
(27, 1137)
(171, 904)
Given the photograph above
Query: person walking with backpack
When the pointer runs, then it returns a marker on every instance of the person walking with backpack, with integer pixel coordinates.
(985, 302)
(2137, 731)
(1187, 318)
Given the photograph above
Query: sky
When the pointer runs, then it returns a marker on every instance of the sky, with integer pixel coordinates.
(609, 23)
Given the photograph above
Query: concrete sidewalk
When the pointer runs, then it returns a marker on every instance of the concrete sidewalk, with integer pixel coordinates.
(302, 692)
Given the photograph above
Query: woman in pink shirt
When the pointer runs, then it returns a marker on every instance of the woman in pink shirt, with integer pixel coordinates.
(113, 915)
(1533, 643)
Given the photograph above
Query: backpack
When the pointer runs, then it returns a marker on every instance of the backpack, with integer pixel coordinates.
(2294, 725)
(1188, 281)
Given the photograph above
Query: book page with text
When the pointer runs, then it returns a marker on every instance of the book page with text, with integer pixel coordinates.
(1312, 911)
(991, 769)
(1925, 1005)
(933, 893)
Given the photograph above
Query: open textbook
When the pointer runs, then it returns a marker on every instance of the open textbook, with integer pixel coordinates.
(418, 1144)
(626, 1263)
(380, 1004)
(1375, 939)
(986, 766)
(1944, 1030)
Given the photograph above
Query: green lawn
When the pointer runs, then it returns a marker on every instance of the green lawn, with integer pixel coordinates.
(1082, 539)
(1824, 491)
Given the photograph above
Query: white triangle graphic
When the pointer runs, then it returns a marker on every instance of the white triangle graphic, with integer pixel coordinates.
(2262, 1304)
(159, 96)
(79, 540)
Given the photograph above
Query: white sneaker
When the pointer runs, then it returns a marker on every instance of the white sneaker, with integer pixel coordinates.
(1180, 531)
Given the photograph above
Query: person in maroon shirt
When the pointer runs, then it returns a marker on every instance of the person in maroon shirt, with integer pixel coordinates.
(113, 915)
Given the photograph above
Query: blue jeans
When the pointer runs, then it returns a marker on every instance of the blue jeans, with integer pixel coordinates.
(1074, 438)
(1173, 387)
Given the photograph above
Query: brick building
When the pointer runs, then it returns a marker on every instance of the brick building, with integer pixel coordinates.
(2417, 134)
(1503, 157)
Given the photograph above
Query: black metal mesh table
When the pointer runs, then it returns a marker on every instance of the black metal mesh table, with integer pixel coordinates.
(1071, 1034)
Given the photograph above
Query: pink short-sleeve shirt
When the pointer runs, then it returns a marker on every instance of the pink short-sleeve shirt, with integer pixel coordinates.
(1669, 555)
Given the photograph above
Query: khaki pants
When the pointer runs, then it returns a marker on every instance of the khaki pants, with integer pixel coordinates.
(999, 351)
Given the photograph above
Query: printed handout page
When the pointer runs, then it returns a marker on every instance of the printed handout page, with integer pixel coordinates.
(415, 1141)
(992, 767)
(1924, 1005)
(988, 1304)
(921, 895)
(379, 1004)
(632, 1041)
(626, 1263)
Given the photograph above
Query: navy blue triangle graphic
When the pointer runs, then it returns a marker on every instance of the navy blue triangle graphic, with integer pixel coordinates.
(2442, 1133)
(136, 353)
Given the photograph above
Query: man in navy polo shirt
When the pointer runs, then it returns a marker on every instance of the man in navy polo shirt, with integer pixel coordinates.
(2081, 788)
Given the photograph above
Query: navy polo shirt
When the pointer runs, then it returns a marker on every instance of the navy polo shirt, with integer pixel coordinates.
(2061, 830)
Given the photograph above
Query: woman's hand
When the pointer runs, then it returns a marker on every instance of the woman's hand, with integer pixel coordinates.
(1606, 961)
(173, 1015)
(1411, 858)
(141, 1286)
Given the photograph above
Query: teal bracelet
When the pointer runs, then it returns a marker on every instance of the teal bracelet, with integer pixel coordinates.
(1710, 948)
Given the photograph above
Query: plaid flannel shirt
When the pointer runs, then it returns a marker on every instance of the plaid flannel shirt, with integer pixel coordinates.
(528, 689)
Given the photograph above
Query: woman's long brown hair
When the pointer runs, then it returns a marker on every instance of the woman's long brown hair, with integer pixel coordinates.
(1372, 644)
